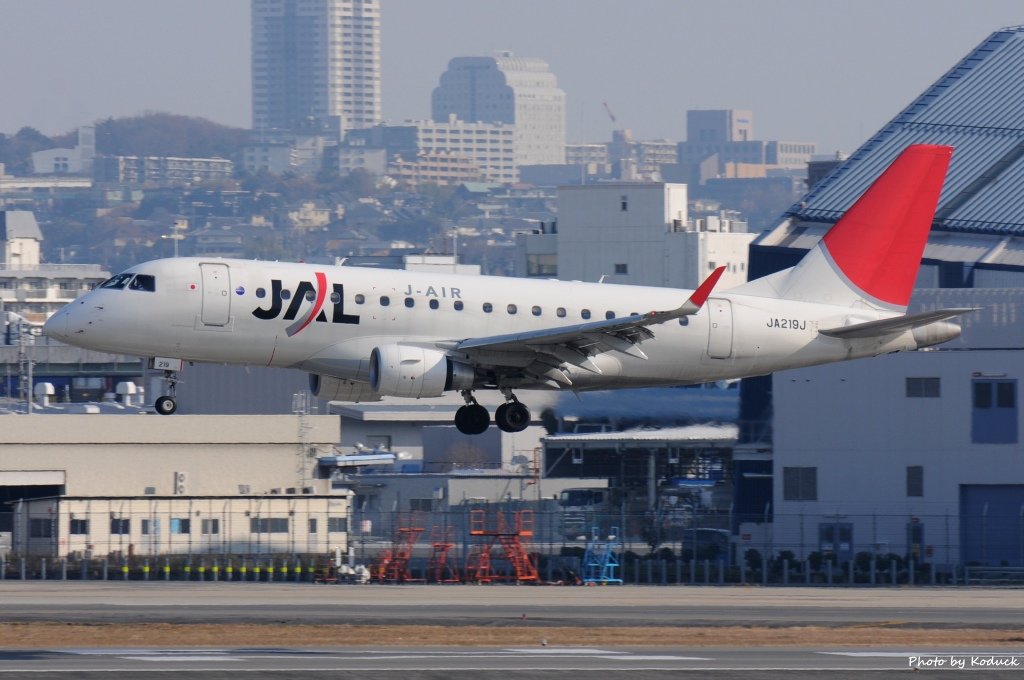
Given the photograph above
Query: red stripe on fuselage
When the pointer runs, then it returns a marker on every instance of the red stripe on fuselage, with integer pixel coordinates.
(321, 295)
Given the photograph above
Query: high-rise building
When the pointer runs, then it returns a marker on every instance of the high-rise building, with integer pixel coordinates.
(506, 89)
(315, 61)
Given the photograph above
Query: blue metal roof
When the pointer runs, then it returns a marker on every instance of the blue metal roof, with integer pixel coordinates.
(977, 108)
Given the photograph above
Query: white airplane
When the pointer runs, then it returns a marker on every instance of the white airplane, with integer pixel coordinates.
(363, 334)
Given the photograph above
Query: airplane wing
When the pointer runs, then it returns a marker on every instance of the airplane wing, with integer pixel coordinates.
(577, 343)
(898, 324)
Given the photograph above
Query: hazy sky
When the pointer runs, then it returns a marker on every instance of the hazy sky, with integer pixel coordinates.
(812, 70)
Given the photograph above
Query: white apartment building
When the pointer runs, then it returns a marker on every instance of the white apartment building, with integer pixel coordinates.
(316, 59)
(29, 288)
(516, 91)
(640, 234)
(491, 146)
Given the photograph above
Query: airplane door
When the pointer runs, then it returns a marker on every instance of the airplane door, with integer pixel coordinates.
(719, 329)
(216, 294)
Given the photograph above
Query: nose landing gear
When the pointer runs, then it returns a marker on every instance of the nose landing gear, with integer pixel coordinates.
(166, 405)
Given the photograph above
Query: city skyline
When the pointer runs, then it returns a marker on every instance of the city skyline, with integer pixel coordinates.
(827, 73)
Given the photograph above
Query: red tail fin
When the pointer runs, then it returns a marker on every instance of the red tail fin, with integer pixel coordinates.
(878, 243)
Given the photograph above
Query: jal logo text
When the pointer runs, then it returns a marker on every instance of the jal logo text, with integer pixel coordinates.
(307, 292)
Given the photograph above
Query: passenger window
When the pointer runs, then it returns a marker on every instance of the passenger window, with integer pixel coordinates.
(684, 321)
(385, 301)
(560, 312)
(512, 309)
(458, 305)
(335, 297)
(488, 307)
(609, 315)
(536, 310)
(409, 302)
(360, 298)
(310, 295)
(145, 282)
(585, 313)
(286, 294)
(261, 292)
(433, 304)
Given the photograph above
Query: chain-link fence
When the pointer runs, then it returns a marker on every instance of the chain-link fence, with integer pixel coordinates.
(520, 541)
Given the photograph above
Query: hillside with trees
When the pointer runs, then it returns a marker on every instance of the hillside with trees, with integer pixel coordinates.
(149, 134)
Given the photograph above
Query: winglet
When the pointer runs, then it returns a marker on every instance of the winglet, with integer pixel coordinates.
(700, 296)
(693, 303)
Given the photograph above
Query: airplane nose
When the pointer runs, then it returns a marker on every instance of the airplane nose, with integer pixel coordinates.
(56, 326)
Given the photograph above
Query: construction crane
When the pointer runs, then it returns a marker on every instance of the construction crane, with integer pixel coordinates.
(610, 114)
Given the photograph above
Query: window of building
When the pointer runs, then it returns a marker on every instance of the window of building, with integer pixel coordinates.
(624, 203)
(337, 524)
(120, 526)
(923, 387)
(800, 483)
(421, 504)
(994, 413)
(79, 527)
(181, 525)
(915, 480)
(622, 268)
(268, 525)
(208, 526)
(312, 525)
(40, 527)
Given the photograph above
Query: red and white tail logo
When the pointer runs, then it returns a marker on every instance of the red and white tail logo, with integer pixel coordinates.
(872, 254)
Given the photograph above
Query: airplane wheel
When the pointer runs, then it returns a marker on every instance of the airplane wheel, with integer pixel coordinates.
(165, 406)
(472, 419)
(512, 417)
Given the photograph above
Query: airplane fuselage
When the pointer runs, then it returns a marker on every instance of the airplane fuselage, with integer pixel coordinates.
(327, 320)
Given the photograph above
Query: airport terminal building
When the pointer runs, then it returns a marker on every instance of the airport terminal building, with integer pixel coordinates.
(141, 484)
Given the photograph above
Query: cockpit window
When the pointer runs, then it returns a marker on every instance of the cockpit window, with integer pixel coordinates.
(146, 282)
(118, 282)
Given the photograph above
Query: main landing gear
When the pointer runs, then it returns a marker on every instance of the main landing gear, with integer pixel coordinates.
(166, 405)
(512, 416)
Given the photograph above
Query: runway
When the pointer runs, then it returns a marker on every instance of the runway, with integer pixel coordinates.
(100, 602)
(453, 607)
(508, 662)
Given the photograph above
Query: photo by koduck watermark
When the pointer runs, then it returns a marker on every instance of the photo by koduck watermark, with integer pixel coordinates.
(966, 661)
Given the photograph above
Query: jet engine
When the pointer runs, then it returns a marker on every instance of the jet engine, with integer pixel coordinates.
(330, 388)
(408, 371)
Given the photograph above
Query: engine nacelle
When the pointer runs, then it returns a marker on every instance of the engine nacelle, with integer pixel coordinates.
(408, 371)
(335, 389)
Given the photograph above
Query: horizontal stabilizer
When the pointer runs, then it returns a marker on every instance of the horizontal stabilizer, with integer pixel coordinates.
(898, 324)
